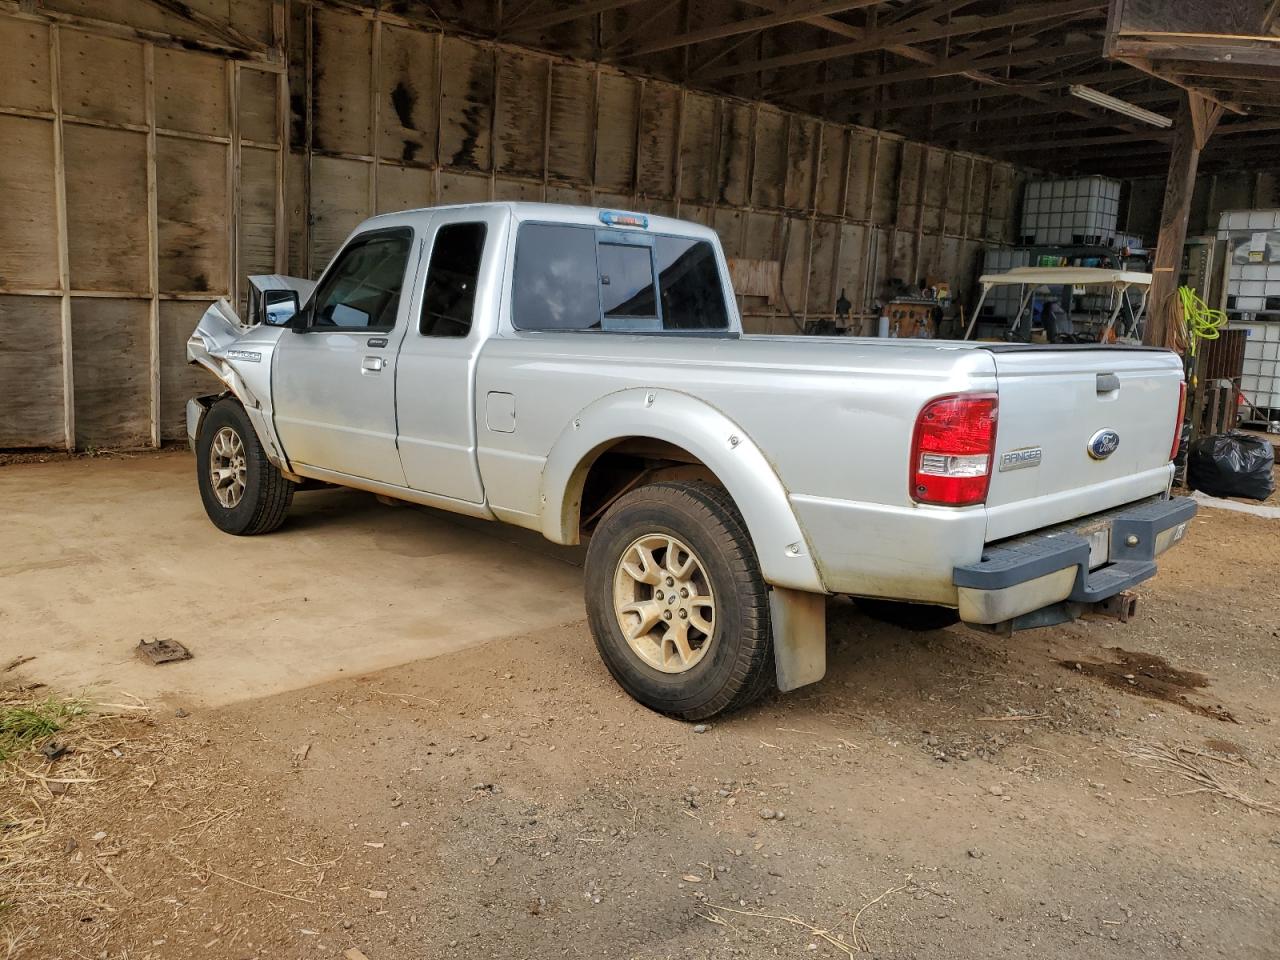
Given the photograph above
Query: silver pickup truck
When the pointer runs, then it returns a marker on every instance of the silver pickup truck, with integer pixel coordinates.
(583, 373)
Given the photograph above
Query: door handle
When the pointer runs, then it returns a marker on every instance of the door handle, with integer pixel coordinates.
(371, 365)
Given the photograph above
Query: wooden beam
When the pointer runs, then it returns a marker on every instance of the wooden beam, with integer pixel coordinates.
(95, 25)
(1192, 56)
(908, 52)
(1155, 136)
(1204, 118)
(1032, 89)
(954, 66)
(565, 15)
(64, 257)
(1271, 16)
(830, 24)
(839, 28)
(153, 240)
(223, 31)
(912, 32)
(872, 40)
(639, 29)
(1162, 312)
(794, 13)
(1059, 105)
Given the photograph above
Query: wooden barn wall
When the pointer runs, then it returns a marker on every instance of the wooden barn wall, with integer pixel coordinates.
(152, 161)
(388, 114)
(141, 180)
(1214, 193)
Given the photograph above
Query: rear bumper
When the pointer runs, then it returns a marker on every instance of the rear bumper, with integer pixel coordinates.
(1033, 579)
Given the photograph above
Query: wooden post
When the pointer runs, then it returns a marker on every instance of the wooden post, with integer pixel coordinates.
(1196, 120)
(64, 257)
(153, 237)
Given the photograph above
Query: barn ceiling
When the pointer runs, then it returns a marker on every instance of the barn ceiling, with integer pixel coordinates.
(991, 76)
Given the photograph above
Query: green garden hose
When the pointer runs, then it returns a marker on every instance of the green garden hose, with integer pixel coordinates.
(1203, 322)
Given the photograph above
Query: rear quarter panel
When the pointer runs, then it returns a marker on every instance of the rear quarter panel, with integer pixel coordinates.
(833, 417)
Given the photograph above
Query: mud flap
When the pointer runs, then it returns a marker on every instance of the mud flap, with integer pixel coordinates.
(799, 636)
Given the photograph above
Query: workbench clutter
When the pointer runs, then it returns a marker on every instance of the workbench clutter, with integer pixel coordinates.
(917, 312)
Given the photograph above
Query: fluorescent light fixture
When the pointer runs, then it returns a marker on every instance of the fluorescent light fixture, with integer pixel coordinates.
(1108, 102)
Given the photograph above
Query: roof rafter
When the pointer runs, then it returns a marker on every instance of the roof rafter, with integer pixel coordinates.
(913, 31)
(1060, 105)
(564, 15)
(961, 63)
(793, 13)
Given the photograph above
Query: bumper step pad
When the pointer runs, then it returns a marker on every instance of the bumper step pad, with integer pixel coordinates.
(1134, 534)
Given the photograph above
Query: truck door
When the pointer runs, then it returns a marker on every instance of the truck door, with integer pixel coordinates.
(334, 384)
(435, 376)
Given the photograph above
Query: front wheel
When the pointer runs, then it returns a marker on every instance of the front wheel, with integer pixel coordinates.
(676, 602)
(243, 493)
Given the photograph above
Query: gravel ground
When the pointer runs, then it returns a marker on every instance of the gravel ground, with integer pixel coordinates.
(1094, 790)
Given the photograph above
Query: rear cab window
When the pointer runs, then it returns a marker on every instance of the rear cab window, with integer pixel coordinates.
(579, 277)
(453, 272)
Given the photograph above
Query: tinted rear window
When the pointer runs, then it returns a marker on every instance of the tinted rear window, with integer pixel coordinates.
(626, 281)
(692, 296)
(555, 278)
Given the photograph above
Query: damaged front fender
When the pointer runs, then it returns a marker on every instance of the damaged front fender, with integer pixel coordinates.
(240, 357)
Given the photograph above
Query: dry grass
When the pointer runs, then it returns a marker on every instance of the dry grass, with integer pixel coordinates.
(1197, 766)
(38, 795)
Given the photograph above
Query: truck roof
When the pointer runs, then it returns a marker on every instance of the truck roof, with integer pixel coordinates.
(555, 213)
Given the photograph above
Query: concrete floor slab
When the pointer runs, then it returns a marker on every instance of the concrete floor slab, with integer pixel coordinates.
(97, 554)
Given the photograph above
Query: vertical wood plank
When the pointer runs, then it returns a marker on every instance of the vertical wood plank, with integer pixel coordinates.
(815, 159)
(678, 174)
(233, 184)
(868, 267)
(280, 26)
(375, 111)
(439, 80)
(595, 131)
(153, 237)
(635, 154)
(494, 106)
(64, 258)
(308, 125)
(546, 127)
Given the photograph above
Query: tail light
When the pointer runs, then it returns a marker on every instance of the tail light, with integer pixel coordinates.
(1177, 423)
(952, 449)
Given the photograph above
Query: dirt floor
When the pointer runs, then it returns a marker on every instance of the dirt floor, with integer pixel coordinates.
(1095, 790)
(97, 553)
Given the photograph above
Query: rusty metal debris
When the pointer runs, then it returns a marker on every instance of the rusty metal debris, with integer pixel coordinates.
(162, 651)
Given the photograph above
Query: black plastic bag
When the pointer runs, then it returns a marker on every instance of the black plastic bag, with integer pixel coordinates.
(1232, 465)
(1180, 461)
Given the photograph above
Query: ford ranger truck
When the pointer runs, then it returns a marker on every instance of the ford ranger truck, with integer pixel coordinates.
(583, 373)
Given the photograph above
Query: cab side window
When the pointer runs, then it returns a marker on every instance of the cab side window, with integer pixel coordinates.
(449, 300)
(362, 290)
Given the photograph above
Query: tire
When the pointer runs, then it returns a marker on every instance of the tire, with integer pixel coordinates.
(264, 500)
(694, 527)
(917, 617)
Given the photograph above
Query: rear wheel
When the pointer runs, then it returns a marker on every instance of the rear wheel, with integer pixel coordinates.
(676, 602)
(243, 493)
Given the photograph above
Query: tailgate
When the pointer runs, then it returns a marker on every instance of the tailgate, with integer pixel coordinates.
(1061, 401)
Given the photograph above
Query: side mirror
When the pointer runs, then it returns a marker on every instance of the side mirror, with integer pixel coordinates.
(279, 307)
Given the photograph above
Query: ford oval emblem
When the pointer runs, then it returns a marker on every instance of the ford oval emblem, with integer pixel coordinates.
(1103, 444)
